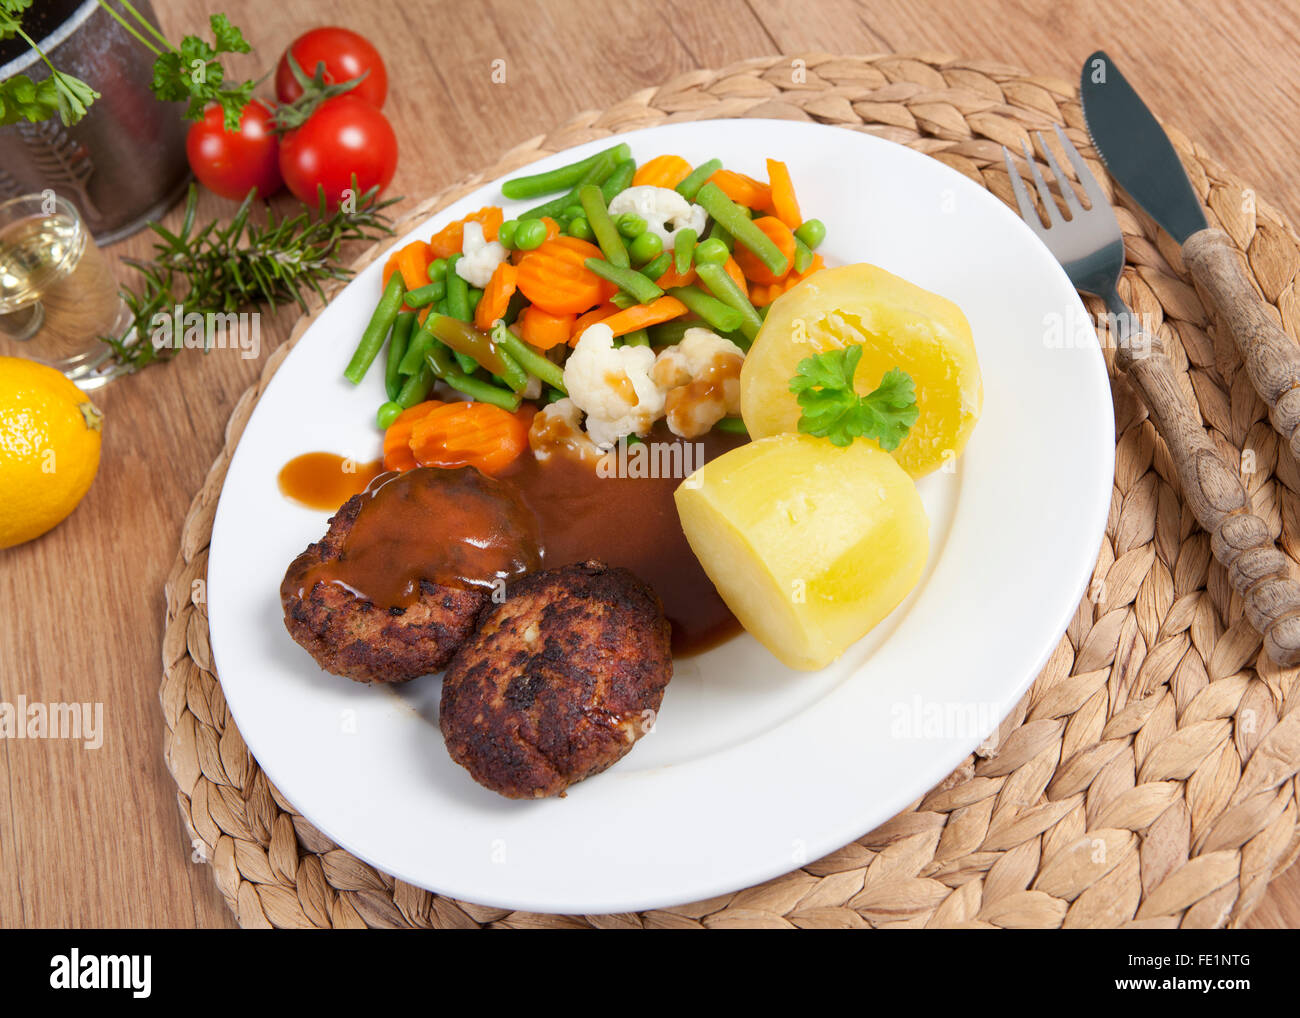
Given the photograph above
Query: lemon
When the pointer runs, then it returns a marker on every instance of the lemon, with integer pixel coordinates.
(49, 448)
(810, 544)
(898, 324)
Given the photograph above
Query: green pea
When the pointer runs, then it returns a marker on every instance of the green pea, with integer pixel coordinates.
(437, 269)
(506, 233)
(580, 228)
(630, 225)
(812, 232)
(530, 234)
(711, 250)
(388, 413)
(572, 212)
(644, 247)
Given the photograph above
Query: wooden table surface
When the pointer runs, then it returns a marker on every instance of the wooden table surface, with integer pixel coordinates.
(94, 838)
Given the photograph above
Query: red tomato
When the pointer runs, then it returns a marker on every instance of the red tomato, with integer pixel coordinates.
(345, 136)
(230, 162)
(344, 54)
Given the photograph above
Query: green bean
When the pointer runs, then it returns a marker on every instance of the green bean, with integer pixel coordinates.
(629, 280)
(530, 234)
(600, 171)
(560, 179)
(712, 310)
(481, 391)
(387, 413)
(724, 288)
(457, 292)
(427, 294)
(733, 219)
(684, 250)
(416, 349)
(397, 344)
(803, 256)
(515, 376)
(611, 244)
(466, 340)
(657, 266)
(812, 232)
(732, 425)
(722, 237)
(506, 234)
(468, 365)
(711, 251)
(697, 178)
(619, 180)
(552, 395)
(669, 333)
(638, 338)
(437, 269)
(579, 228)
(416, 388)
(532, 361)
(624, 300)
(475, 295)
(645, 247)
(630, 225)
(376, 331)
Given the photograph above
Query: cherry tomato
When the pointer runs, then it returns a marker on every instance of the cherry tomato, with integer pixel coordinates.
(344, 54)
(228, 163)
(345, 136)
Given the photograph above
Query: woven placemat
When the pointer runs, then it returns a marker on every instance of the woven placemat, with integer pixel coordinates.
(1149, 776)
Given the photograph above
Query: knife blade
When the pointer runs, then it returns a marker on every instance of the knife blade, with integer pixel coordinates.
(1140, 157)
(1136, 150)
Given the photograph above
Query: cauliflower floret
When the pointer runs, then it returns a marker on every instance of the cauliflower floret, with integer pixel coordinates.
(701, 379)
(612, 386)
(479, 256)
(558, 429)
(660, 207)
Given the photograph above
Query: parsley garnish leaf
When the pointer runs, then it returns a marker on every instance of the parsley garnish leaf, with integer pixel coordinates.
(823, 387)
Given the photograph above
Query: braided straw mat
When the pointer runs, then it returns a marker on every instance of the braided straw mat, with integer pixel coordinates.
(1149, 776)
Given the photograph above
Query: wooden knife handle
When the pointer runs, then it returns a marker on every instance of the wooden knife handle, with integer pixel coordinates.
(1240, 540)
(1271, 357)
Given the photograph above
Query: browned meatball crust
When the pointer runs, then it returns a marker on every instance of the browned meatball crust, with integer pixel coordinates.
(352, 637)
(559, 681)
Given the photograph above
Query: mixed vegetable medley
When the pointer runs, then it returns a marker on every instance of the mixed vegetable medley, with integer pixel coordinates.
(630, 296)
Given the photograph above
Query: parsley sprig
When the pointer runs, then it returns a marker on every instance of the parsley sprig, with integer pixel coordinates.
(832, 408)
(189, 72)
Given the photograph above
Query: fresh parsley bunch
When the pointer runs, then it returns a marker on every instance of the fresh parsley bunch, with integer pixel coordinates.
(191, 71)
(832, 408)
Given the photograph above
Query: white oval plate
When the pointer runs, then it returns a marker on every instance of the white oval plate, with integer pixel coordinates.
(752, 769)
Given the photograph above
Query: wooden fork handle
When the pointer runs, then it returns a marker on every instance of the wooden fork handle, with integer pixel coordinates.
(1271, 357)
(1240, 540)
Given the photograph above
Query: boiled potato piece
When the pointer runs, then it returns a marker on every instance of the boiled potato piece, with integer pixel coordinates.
(898, 324)
(809, 544)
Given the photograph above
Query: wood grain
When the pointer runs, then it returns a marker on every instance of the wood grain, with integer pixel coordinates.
(93, 838)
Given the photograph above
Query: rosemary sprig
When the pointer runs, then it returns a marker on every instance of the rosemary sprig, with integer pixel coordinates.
(211, 269)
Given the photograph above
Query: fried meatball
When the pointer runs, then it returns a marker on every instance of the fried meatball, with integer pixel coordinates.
(350, 636)
(559, 681)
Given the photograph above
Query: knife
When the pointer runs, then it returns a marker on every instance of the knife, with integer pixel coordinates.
(1138, 154)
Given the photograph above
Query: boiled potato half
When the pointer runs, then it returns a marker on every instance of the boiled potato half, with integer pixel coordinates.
(898, 324)
(810, 544)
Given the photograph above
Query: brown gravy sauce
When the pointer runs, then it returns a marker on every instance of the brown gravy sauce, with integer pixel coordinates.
(323, 480)
(456, 528)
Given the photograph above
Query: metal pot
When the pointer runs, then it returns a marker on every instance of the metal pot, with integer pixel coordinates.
(124, 163)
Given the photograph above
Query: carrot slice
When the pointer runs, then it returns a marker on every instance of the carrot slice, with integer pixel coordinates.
(751, 265)
(555, 278)
(451, 238)
(662, 171)
(496, 296)
(468, 434)
(761, 295)
(672, 278)
(397, 450)
(784, 203)
(543, 329)
(596, 314)
(743, 190)
(413, 263)
(638, 316)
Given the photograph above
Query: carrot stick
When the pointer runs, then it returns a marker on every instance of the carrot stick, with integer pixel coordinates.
(752, 266)
(596, 314)
(496, 296)
(784, 202)
(639, 316)
(743, 190)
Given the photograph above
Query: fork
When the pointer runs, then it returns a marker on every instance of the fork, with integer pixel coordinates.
(1090, 247)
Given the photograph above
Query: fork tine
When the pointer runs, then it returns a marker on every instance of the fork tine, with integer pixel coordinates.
(1062, 181)
(1054, 216)
(1027, 210)
(1096, 196)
